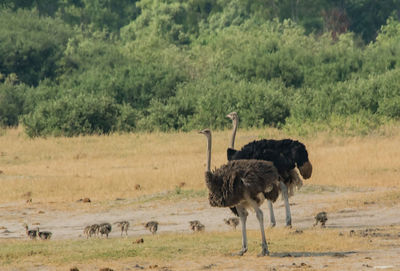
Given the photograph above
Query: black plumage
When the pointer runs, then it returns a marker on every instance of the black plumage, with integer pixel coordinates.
(285, 154)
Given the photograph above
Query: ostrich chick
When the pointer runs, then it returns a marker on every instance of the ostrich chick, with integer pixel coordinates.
(152, 226)
(123, 225)
(196, 226)
(30, 233)
(105, 228)
(322, 218)
(44, 235)
(233, 222)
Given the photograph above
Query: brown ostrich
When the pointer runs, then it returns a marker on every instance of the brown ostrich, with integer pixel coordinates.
(242, 184)
(286, 154)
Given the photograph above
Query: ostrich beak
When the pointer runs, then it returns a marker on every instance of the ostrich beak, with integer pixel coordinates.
(230, 115)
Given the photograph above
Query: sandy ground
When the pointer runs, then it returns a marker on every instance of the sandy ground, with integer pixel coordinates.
(174, 217)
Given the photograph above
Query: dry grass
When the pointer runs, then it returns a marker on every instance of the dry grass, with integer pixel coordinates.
(169, 248)
(108, 167)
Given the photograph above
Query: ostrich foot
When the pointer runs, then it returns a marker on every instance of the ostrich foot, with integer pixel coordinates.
(264, 252)
(288, 226)
(272, 225)
(240, 253)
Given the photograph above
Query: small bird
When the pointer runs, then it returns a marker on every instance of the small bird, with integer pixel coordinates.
(123, 225)
(94, 230)
(233, 222)
(30, 233)
(44, 235)
(105, 228)
(322, 218)
(152, 226)
(196, 225)
(86, 231)
(139, 241)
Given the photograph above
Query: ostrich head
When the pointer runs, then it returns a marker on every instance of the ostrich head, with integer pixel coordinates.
(235, 122)
(207, 133)
(233, 116)
(300, 156)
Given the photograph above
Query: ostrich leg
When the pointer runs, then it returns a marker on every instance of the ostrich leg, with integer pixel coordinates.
(260, 218)
(285, 196)
(271, 214)
(243, 217)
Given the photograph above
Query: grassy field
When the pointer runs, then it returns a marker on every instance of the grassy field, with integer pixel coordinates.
(108, 167)
(166, 248)
(170, 167)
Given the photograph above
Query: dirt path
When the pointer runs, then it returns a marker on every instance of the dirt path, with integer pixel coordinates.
(174, 216)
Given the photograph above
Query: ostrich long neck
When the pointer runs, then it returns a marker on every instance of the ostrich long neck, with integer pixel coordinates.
(208, 165)
(235, 126)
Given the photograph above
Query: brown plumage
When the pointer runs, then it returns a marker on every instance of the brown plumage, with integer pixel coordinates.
(86, 231)
(44, 235)
(242, 184)
(233, 222)
(196, 226)
(104, 229)
(321, 217)
(30, 233)
(228, 184)
(124, 226)
(94, 230)
(152, 226)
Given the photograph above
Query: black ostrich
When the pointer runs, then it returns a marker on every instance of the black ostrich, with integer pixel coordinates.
(286, 154)
(241, 185)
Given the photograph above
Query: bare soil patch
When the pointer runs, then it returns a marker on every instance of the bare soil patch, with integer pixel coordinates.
(174, 216)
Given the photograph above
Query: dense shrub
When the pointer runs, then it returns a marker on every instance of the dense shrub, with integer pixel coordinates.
(11, 100)
(73, 115)
(31, 45)
(181, 65)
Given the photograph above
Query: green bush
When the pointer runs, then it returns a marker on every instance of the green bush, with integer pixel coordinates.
(31, 45)
(73, 115)
(11, 101)
(160, 65)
